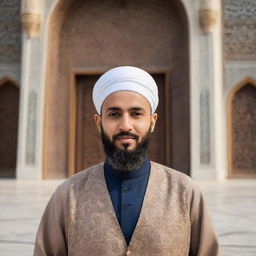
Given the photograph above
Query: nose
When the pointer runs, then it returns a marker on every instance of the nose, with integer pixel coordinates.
(125, 123)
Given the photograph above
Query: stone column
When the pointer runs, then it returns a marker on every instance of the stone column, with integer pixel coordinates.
(210, 162)
(29, 116)
(207, 141)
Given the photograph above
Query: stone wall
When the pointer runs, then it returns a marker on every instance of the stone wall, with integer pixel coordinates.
(239, 29)
(10, 31)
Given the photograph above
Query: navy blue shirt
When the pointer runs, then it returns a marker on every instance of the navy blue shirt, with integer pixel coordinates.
(127, 190)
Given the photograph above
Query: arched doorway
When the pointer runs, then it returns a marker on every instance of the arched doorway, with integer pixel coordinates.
(88, 37)
(9, 109)
(242, 130)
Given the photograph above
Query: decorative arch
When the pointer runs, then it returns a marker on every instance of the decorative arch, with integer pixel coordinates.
(6, 79)
(72, 53)
(9, 109)
(241, 130)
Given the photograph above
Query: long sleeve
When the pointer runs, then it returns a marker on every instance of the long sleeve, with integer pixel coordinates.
(203, 237)
(50, 239)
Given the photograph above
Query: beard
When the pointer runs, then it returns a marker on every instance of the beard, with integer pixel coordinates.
(124, 159)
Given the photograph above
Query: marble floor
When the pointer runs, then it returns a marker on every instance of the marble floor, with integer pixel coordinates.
(232, 205)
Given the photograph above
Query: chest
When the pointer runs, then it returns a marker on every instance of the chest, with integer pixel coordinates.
(163, 226)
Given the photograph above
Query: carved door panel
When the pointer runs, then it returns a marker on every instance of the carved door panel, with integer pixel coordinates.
(243, 133)
(88, 148)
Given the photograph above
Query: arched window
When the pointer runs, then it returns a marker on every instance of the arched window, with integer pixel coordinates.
(9, 109)
(242, 130)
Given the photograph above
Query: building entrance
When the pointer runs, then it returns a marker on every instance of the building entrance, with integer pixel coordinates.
(91, 36)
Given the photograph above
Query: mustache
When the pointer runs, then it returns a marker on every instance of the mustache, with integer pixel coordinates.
(116, 136)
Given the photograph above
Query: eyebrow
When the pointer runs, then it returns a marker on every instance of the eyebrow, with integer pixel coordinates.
(119, 109)
(113, 108)
(138, 109)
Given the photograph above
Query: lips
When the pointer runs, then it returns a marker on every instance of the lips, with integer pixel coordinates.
(125, 139)
(125, 136)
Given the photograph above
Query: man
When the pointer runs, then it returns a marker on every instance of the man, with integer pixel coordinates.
(126, 205)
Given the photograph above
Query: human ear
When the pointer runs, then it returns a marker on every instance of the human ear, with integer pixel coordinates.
(97, 119)
(153, 121)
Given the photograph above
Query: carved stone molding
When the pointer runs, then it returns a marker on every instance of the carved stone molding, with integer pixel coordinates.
(30, 16)
(31, 23)
(31, 129)
(207, 19)
(205, 133)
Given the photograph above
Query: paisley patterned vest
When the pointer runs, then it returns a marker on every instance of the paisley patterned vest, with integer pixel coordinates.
(80, 220)
(163, 227)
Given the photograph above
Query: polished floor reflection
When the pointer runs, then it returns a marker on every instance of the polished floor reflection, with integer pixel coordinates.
(232, 205)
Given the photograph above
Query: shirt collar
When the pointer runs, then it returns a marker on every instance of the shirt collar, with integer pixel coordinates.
(142, 170)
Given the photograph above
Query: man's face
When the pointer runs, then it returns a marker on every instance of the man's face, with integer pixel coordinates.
(126, 119)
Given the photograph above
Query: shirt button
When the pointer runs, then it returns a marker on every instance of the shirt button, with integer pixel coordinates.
(128, 253)
(126, 190)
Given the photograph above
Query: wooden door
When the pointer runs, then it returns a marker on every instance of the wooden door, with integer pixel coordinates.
(89, 149)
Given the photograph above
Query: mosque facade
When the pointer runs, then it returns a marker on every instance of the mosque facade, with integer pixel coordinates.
(202, 54)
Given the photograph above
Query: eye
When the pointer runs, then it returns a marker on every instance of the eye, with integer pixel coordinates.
(114, 114)
(136, 114)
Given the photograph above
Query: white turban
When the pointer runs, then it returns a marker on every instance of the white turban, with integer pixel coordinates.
(125, 78)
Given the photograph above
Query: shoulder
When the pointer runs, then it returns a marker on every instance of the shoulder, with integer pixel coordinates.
(179, 184)
(171, 173)
(81, 178)
(176, 178)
